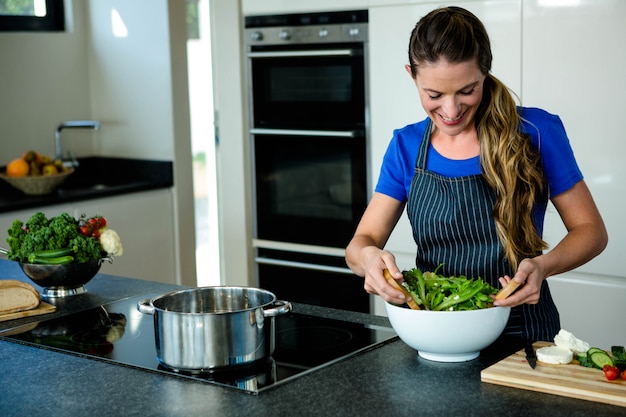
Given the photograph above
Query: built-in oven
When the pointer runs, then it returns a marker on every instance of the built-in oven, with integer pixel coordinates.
(307, 78)
(310, 186)
(318, 89)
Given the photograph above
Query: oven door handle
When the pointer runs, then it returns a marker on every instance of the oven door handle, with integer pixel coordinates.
(303, 265)
(305, 54)
(293, 132)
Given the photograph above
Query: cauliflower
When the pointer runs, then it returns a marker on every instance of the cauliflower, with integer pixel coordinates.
(111, 243)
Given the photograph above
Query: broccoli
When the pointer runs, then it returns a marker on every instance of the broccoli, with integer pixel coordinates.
(40, 233)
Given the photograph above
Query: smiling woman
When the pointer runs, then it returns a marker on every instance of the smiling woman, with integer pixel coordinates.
(32, 15)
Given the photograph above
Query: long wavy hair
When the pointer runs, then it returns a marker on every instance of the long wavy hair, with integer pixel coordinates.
(510, 163)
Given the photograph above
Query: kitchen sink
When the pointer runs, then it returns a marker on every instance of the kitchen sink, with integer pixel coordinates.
(96, 177)
(112, 175)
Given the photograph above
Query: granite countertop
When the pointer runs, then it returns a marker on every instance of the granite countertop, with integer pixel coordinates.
(389, 380)
(95, 177)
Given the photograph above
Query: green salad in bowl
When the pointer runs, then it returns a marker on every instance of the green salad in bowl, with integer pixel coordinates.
(456, 317)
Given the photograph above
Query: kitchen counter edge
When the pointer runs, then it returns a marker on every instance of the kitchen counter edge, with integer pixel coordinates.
(390, 379)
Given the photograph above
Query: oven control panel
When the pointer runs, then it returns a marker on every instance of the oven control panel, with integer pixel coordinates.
(333, 27)
(356, 32)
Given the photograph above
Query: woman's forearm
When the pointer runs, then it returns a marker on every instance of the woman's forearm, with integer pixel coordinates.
(579, 246)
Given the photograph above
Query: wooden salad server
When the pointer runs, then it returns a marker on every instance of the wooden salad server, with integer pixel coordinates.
(508, 290)
(409, 300)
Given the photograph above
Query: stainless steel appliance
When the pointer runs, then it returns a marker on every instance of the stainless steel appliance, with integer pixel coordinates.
(118, 333)
(307, 75)
(213, 327)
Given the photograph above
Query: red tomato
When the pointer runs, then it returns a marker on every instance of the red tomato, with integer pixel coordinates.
(85, 230)
(624, 375)
(97, 222)
(611, 372)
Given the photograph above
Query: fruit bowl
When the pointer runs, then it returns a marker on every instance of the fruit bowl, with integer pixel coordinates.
(63, 280)
(448, 336)
(37, 184)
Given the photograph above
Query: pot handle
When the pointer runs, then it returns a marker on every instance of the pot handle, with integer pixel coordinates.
(145, 307)
(281, 307)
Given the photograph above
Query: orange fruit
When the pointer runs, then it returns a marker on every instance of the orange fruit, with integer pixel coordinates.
(18, 168)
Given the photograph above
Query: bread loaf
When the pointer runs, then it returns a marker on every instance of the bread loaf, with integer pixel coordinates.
(17, 296)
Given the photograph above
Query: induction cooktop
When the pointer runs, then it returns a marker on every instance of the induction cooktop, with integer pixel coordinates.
(119, 334)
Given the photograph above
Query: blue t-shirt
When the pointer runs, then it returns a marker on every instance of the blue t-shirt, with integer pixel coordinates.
(546, 132)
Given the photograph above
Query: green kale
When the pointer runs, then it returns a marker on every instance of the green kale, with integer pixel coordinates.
(40, 233)
(64, 228)
(87, 248)
(27, 238)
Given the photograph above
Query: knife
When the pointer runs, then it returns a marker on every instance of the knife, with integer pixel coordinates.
(531, 357)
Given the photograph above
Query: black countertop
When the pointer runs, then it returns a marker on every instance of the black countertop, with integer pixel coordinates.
(95, 177)
(389, 380)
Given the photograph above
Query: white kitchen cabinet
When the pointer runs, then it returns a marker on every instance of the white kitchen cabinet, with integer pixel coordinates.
(144, 222)
(394, 101)
(573, 65)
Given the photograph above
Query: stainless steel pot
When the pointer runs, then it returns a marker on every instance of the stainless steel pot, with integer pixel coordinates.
(202, 329)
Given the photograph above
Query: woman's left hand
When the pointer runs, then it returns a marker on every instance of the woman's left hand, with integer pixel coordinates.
(530, 276)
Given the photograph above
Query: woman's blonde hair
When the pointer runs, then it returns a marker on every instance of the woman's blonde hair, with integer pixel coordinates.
(510, 163)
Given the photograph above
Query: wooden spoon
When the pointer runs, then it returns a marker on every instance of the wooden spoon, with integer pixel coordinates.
(508, 290)
(409, 300)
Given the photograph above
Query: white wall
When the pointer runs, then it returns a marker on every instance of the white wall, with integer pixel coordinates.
(130, 77)
(139, 90)
(44, 80)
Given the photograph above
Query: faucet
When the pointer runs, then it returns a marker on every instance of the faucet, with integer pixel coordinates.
(72, 124)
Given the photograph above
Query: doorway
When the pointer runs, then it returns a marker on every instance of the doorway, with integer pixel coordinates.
(203, 142)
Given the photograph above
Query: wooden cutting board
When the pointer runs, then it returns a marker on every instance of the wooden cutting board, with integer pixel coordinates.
(571, 380)
(44, 308)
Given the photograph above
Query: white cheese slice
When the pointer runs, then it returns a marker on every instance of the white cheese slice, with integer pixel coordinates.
(567, 340)
(555, 355)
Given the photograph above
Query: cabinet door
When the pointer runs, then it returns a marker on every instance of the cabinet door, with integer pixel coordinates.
(393, 95)
(573, 66)
(144, 222)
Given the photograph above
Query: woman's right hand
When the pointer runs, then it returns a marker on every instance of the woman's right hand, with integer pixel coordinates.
(375, 283)
(365, 254)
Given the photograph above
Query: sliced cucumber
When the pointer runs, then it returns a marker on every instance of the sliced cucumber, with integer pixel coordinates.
(583, 360)
(600, 358)
(593, 350)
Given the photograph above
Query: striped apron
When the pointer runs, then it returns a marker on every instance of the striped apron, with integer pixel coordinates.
(453, 225)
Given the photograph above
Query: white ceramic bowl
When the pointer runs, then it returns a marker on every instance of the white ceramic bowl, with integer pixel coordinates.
(448, 336)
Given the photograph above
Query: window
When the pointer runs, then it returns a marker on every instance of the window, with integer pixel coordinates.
(32, 15)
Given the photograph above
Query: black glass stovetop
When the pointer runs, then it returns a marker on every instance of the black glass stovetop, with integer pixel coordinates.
(120, 334)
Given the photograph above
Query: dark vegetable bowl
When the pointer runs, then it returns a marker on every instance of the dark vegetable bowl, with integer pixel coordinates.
(63, 280)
